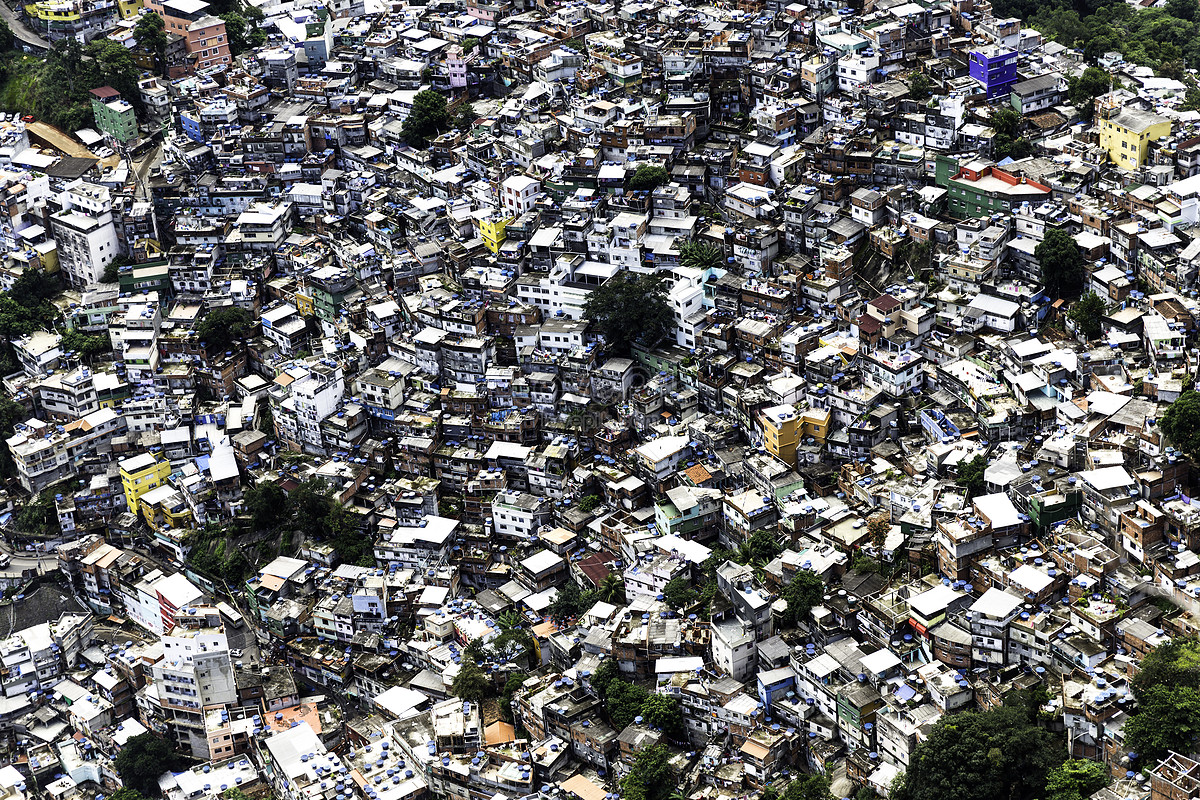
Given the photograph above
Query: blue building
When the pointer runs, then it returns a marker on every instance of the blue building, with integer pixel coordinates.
(995, 68)
(190, 120)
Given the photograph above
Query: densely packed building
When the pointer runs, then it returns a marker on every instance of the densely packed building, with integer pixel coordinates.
(867, 374)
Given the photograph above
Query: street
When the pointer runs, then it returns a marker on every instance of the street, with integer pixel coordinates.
(22, 33)
(23, 560)
(142, 167)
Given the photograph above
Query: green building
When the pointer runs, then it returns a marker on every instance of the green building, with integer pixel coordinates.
(113, 115)
(981, 189)
(329, 287)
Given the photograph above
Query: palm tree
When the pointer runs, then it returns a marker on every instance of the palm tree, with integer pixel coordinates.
(612, 589)
(701, 255)
(509, 621)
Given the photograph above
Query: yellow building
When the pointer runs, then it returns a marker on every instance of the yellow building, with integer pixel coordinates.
(815, 423)
(164, 508)
(128, 8)
(1126, 133)
(491, 230)
(140, 474)
(781, 432)
(305, 305)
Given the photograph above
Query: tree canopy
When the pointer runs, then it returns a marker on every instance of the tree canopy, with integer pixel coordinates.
(802, 593)
(470, 683)
(1086, 312)
(701, 255)
(981, 756)
(1168, 695)
(87, 345)
(1165, 39)
(1076, 779)
(971, 475)
(1083, 89)
(1009, 143)
(648, 177)
(1062, 263)
(428, 118)
(243, 34)
(624, 702)
(630, 310)
(151, 35)
(224, 326)
(1181, 421)
(142, 760)
(919, 86)
(651, 777)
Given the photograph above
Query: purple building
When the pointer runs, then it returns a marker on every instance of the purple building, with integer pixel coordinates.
(995, 68)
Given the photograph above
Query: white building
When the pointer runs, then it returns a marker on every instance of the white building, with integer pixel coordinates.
(990, 616)
(518, 194)
(195, 673)
(85, 232)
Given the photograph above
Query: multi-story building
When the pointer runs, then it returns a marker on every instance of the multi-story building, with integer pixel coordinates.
(194, 675)
(85, 232)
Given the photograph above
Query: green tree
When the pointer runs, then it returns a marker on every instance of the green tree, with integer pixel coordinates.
(864, 563)
(1086, 312)
(971, 475)
(701, 255)
(1168, 718)
(224, 326)
(611, 590)
(569, 603)
(802, 593)
(651, 777)
(6, 37)
(125, 793)
(1167, 690)
(1181, 422)
(427, 119)
(1062, 263)
(466, 117)
(243, 32)
(648, 177)
(1009, 143)
(117, 68)
(348, 538)
(666, 714)
(470, 683)
(1006, 122)
(679, 593)
(605, 674)
(631, 310)
(38, 517)
(267, 504)
(87, 345)
(981, 756)
(919, 86)
(511, 686)
(11, 412)
(266, 421)
(310, 505)
(151, 35)
(1182, 9)
(142, 760)
(588, 503)
(761, 547)
(1083, 89)
(624, 702)
(1076, 779)
(808, 787)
